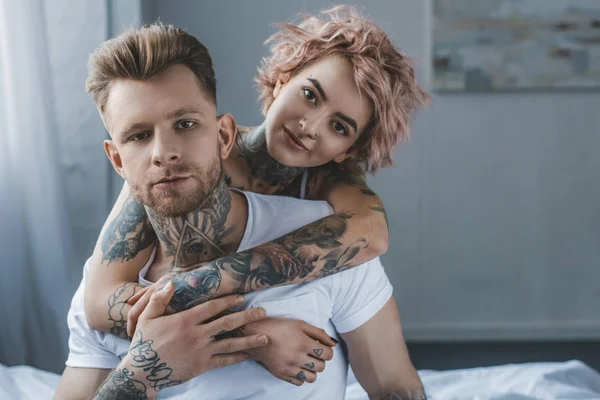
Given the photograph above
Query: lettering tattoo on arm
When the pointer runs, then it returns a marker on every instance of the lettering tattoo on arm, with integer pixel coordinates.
(128, 234)
(121, 383)
(147, 359)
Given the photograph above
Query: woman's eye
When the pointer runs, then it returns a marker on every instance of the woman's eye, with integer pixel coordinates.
(340, 128)
(310, 96)
(185, 124)
(140, 136)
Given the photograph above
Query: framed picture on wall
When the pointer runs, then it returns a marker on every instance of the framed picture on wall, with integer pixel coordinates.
(499, 45)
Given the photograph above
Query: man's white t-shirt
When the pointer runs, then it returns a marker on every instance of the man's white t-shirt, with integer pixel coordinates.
(339, 303)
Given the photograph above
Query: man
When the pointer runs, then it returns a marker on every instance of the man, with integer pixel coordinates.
(168, 143)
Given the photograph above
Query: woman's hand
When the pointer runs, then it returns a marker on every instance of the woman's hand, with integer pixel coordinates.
(296, 352)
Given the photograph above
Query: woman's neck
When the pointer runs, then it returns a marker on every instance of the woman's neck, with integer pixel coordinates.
(262, 166)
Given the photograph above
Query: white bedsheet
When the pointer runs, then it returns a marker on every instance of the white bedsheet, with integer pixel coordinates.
(23, 383)
(534, 381)
(571, 380)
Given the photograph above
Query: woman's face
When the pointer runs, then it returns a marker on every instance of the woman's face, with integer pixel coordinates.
(317, 115)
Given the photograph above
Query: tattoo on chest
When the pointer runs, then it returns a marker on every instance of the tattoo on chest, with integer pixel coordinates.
(128, 234)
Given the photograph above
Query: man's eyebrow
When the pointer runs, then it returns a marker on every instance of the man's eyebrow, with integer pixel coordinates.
(182, 111)
(133, 127)
(319, 88)
(347, 119)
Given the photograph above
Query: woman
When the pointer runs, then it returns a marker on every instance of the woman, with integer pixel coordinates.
(337, 98)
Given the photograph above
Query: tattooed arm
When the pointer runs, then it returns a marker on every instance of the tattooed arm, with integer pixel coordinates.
(378, 355)
(325, 247)
(124, 246)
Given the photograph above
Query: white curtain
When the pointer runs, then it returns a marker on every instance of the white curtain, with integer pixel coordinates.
(35, 254)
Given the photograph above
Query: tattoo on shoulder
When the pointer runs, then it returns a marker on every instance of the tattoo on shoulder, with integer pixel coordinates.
(128, 234)
(381, 210)
(121, 385)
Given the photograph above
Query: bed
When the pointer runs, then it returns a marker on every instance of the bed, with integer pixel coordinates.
(534, 381)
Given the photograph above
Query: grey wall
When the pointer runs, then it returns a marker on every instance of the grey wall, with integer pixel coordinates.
(493, 206)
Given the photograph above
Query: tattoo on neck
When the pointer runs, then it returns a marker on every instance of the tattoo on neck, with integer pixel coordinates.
(197, 237)
(128, 234)
(253, 147)
(121, 385)
(117, 308)
(146, 358)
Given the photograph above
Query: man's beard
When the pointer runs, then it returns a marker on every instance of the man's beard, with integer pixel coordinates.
(175, 202)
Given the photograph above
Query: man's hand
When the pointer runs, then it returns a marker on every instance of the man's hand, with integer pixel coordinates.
(169, 350)
(140, 300)
(296, 352)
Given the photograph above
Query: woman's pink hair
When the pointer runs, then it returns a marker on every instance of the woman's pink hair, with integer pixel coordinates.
(380, 72)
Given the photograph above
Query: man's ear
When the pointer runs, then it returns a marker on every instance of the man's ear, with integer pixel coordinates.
(227, 132)
(349, 153)
(114, 157)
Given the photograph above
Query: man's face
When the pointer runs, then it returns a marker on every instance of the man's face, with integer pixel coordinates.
(166, 140)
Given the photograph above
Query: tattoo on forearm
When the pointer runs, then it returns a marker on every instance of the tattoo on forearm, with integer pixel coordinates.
(146, 358)
(121, 385)
(404, 394)
(128, 234)
(117, 308)
(275, 263)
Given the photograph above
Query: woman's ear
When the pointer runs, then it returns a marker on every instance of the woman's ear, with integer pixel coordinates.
(227, 131)
(114, 157)
(285, 78)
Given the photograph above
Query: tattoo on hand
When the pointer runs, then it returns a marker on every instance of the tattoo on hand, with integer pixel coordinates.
(301, 375)
(310, 365)
(121, 385)
(117, 308)
(146, 358)
(128, 234)
(318, 352)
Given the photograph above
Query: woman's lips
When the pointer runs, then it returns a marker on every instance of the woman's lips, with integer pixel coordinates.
(294, 141)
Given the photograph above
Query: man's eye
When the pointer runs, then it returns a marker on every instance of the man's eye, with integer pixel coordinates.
(140, 136)
(339, 128)
(185, 124)
(310, 96)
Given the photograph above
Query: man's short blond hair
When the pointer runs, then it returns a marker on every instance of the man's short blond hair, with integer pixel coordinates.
(140, 54)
